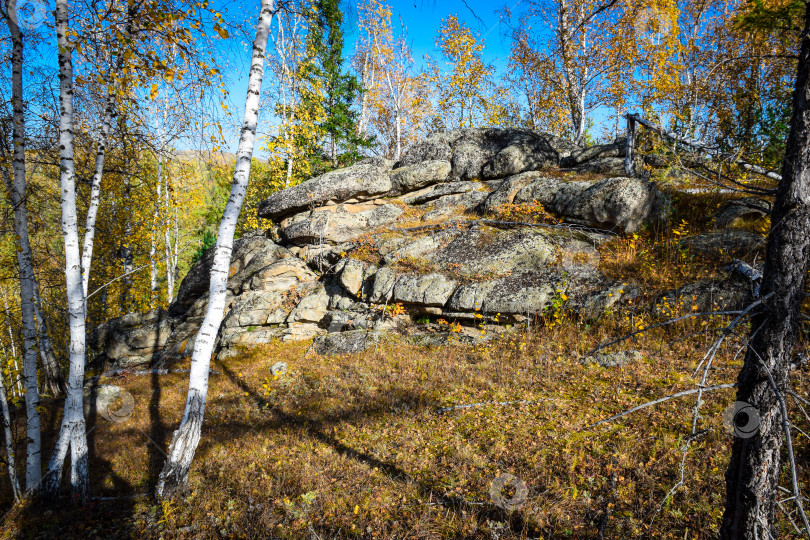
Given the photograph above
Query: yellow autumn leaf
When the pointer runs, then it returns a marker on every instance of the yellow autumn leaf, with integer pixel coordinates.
(221, 31)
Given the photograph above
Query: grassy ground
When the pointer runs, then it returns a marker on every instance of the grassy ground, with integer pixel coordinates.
(364, 446)
(355, 446)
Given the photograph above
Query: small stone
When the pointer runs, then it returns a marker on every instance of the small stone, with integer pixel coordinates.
(616, 359)
(278, 369)
(348, 342)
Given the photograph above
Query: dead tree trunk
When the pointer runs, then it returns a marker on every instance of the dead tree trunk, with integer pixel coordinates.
(629, 158)
(753, 472)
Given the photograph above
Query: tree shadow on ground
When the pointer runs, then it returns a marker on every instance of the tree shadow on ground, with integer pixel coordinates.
(320, 431)
(109, 509)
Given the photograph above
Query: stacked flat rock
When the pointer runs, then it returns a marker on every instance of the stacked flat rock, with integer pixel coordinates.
(346, 246)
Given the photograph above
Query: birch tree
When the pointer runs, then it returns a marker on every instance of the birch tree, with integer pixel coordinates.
(9, 440)
(298, 96)
(15, 386)
(372, 16)
(174, 475)
(95, 189)
(464, 86)
(33, 467)
(574, 56)
(160, 120)
(54, 378)
(124, 48)
(289, 48)
(390, 100)
(72, 433)
(399, 85)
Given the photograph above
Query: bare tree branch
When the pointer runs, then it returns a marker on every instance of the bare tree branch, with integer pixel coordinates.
(662, 400)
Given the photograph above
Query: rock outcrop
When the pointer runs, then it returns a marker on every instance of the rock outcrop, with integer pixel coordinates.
(371, 247)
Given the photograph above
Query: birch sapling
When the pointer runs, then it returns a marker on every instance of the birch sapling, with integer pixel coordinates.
(33, 467)
(185, 440)
(95, 189)
(72, 431)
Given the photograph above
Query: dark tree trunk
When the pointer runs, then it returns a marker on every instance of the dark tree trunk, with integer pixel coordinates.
(753, 473)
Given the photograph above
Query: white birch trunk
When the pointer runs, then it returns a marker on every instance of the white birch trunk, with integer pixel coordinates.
(361, 123)
(574, 94)
(33, 466)
(288, 179)
(153, 285)
(153, 269)
(12, 467)
(16, 381)
(397, 86)
(8, 321)
(125, 252)
(184, 442)
(398, 153)
(167, 246)
(172, 249)
(95, 192)
(72, 434)
(162, 186)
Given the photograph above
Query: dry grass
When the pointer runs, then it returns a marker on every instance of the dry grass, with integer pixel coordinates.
(655, 257)
(353, 446)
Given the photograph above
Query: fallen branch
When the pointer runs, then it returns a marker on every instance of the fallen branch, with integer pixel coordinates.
(138, 269)
(566, 226)
(500, 223)
(748, 190)
(662, 400)
(154, 371)
(726, 331)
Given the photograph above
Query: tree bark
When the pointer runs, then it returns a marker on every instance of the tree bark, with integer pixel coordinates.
(398, 153)
(153, 266)
(171, 249)
(629, 158)
(33, 466)
(174, 476)
(12, 343)
(12, 467)
(95, 193)
(72, 434)
(574, 94)
(753, 472)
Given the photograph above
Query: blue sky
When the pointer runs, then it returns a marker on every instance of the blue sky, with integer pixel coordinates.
(422, 19)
